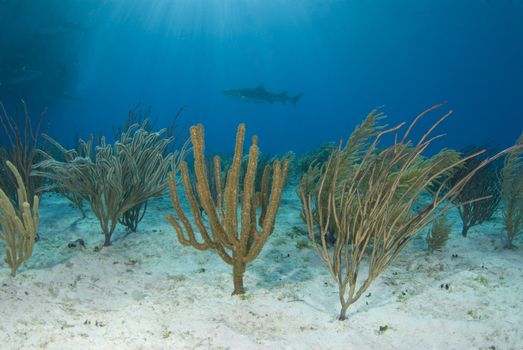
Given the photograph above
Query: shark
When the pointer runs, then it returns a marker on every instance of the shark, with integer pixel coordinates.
(20, 76)
(260, 94)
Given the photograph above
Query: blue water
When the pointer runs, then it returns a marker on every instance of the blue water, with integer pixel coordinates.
(98, 59)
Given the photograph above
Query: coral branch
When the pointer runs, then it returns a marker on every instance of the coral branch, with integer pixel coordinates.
(236, 243)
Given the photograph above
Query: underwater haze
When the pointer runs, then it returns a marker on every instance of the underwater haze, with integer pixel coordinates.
(90, 62)
(169, 177)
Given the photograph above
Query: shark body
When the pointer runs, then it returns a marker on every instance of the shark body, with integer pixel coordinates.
(20, 76)
(260, 94)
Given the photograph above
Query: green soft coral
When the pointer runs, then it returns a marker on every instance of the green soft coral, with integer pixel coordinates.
(512, 193)
(359, 150)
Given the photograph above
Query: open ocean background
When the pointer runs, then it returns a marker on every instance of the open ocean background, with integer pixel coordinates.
(99, 59)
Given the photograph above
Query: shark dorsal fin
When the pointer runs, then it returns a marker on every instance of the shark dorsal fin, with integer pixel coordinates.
(260, 87)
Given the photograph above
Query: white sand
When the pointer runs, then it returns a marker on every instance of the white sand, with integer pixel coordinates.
(149, 292)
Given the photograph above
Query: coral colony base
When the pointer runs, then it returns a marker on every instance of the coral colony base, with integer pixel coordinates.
(373, 224)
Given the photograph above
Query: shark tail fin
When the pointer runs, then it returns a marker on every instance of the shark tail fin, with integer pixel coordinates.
(296, 98)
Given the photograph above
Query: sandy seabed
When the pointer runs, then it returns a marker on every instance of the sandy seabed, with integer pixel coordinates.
(147, 291)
